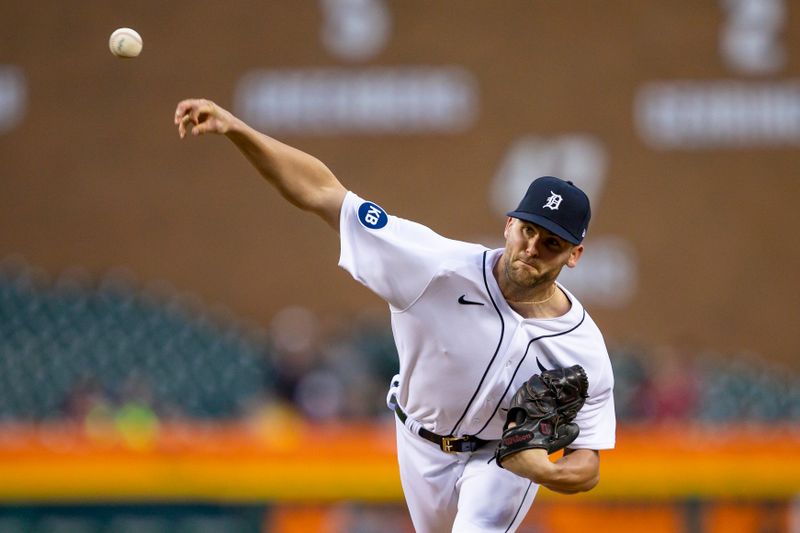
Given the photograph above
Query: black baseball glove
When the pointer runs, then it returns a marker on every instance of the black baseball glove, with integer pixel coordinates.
(543, 410)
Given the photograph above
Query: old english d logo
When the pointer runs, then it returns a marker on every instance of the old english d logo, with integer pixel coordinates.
(553, 201)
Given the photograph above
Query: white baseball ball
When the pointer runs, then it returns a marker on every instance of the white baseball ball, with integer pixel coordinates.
(125, 43)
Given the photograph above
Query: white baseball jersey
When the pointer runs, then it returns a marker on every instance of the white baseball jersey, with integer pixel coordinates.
(463, 350)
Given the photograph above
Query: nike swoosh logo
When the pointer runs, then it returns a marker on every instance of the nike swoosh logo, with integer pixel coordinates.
(463, 301)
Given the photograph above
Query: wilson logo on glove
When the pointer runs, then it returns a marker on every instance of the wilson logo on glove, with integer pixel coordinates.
(514, 439)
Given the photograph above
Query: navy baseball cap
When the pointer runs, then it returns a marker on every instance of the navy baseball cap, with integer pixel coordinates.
(557, 206)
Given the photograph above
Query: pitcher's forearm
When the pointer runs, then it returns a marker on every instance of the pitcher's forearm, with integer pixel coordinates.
(578, 471)
(573, 476)
(299, 177)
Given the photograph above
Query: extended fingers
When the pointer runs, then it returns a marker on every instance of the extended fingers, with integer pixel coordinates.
(183, 124)
(183, 116)
(193, 111)
(185, 107)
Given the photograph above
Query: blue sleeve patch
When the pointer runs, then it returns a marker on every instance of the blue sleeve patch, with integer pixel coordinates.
(372, 216)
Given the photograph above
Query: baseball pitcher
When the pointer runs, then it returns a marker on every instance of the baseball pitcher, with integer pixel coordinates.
(500, 365)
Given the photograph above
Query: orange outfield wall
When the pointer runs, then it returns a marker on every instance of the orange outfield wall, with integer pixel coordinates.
(293, 462)
(564, 515)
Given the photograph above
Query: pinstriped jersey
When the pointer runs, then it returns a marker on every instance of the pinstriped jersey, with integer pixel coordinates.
(463, 350)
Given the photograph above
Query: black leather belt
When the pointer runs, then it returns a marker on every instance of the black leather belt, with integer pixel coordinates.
(449, 444)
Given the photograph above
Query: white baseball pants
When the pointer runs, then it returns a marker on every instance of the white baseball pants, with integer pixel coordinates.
(459, 492)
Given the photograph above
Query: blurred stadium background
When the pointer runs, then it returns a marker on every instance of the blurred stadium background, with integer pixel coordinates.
(179, 351)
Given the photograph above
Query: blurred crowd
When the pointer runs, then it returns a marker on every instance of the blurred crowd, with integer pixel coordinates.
(90, 349)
